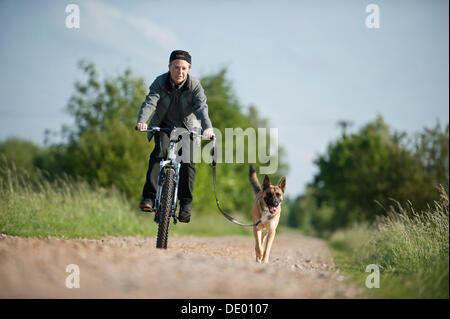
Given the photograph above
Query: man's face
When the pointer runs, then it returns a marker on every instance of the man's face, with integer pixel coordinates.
(179, 69)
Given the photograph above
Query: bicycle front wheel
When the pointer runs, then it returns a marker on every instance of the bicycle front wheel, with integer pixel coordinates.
(164, 209)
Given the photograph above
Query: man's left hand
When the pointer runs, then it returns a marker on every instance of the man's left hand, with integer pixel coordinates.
(209, 133)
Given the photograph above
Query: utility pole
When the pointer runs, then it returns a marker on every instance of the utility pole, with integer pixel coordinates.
(344, 124)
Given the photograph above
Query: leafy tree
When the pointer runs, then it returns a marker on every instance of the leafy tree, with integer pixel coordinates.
(431, 147)
(370, 167)
(103, 147)
(19, 154)
(305, 214)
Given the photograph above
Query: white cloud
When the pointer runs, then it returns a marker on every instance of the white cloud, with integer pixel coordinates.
(109, 26)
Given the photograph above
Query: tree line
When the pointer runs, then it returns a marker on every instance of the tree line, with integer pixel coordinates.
(359, 174)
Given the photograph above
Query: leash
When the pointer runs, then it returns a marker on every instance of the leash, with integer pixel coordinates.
(213, 166)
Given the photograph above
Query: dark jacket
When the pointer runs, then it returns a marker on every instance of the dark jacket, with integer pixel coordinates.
(191, 103)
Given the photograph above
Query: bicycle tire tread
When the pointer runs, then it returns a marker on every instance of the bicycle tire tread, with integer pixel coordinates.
(164, 210)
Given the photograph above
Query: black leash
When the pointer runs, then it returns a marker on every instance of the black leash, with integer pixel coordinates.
(213, 166)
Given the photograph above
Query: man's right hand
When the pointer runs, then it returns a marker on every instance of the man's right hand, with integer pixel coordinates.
(141, 126)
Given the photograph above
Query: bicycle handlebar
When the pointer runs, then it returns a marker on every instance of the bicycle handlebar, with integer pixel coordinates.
(156, 129)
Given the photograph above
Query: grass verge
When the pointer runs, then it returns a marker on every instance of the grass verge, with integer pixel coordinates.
(410, 249)
(73, 209)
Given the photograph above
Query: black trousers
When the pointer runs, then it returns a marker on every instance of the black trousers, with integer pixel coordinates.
(187, 169)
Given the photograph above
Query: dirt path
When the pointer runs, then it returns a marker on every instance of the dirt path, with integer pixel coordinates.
(192, 267)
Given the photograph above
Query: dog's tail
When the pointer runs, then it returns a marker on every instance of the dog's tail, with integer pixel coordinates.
(254, 180)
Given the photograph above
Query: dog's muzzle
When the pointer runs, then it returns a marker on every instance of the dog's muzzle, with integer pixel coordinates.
(272, 204)
(273, 207)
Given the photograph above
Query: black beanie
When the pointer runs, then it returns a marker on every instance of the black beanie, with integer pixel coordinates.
(180, 54)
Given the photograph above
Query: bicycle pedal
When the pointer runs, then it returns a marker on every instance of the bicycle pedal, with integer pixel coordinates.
(146, 209)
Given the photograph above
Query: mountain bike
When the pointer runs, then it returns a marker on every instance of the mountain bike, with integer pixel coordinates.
(167, 187)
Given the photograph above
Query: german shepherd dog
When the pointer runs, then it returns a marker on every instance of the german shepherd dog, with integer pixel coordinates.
(266, 209)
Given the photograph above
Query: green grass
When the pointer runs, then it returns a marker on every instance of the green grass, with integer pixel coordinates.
(410, 248)
(73, 209)
(65, 208)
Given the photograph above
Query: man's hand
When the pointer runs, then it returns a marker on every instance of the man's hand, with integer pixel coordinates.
(141, 126)
(209, 133)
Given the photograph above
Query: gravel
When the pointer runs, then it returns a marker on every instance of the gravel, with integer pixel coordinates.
(191, 267)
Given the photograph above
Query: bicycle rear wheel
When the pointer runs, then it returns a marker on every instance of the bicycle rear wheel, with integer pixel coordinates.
(164, 209)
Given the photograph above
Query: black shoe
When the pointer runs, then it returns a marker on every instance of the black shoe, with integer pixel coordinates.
(147, 205)
(184, 215)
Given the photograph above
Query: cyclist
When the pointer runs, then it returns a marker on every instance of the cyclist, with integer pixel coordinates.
(177, 100)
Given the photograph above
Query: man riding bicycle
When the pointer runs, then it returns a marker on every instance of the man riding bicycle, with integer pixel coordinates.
(177, 100)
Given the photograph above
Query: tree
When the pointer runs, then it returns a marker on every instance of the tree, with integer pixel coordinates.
(19, 154)
(431, 148)
(371, 166)
(103, 146)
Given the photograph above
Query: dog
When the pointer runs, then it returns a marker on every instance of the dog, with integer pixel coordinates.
(267, 210)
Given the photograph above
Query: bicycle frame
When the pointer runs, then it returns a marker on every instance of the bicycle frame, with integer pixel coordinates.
(168, 179)
(169, 163)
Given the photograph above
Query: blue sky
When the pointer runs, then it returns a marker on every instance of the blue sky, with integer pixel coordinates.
(304, 64)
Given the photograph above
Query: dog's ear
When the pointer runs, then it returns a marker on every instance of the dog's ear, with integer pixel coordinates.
(282, 184)
(266, 182)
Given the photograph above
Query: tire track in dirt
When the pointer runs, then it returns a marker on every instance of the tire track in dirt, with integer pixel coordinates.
(191, 267)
